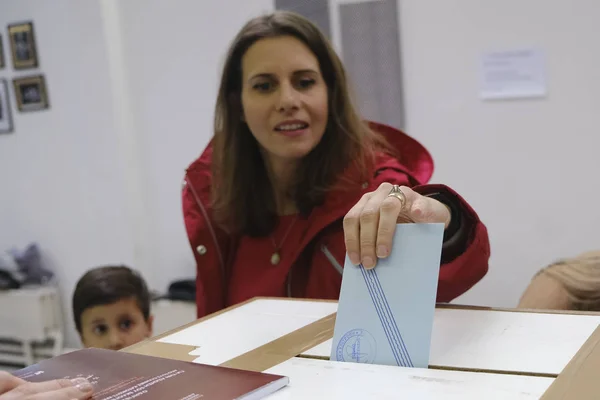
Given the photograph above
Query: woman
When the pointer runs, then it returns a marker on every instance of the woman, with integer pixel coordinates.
(570, 284)
(293, 179)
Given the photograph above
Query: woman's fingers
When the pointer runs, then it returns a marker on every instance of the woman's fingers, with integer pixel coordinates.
(67, 393)
(352, 229)
(370, 225)
(58, 389)
(9, 382)
(425, 209)
(377, 223)
(389, 214)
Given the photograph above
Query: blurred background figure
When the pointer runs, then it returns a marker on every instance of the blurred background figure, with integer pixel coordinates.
(569, 284)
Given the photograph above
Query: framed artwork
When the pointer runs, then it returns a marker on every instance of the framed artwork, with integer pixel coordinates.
(22, 44)
(2, 62)
(6, 125)
(31, 93)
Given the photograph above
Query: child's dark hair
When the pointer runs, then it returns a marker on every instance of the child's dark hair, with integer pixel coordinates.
(107, 285)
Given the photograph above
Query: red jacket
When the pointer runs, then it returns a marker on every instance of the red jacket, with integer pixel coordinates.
(464, 255)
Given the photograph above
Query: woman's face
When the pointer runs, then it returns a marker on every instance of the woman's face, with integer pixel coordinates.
(284, 98)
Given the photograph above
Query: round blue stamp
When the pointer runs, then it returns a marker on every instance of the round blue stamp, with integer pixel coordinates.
(357, 346)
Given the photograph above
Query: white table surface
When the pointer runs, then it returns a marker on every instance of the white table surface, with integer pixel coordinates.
(319, 379)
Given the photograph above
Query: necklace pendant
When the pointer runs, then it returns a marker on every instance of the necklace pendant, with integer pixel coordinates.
(275, 258)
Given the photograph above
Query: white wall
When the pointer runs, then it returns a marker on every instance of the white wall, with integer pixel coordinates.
(96, 179)
(60, 171)
(529, 166)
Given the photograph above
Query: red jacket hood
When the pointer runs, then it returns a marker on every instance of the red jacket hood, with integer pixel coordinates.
(414, 159)
(413, 155)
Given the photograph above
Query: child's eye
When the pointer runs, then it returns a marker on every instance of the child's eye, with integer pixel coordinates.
(126, 325)
(100, 330)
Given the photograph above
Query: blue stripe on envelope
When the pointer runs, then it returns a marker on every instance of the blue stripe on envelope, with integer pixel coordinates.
(386, 317)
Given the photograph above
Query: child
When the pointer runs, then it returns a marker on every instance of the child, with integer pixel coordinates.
(111, 308)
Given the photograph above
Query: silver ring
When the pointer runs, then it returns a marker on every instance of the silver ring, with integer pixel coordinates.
(397, 193)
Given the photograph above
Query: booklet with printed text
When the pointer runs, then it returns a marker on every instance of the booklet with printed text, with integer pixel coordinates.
(118, 375)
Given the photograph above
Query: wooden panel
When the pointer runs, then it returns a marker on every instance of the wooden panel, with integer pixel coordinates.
(579, 380)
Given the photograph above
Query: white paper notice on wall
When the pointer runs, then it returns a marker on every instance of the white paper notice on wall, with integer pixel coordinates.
(513, 74)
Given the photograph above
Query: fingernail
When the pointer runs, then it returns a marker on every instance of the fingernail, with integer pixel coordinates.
(382, 251)
(354, 259)
(82, 384)
(368, 263)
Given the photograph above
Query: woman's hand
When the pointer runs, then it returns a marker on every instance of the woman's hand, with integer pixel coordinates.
(369, 226)
(13, 388)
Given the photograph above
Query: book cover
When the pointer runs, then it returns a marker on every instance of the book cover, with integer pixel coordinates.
(118, 375)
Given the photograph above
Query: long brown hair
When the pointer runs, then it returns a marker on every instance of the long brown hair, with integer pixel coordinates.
(242, 195)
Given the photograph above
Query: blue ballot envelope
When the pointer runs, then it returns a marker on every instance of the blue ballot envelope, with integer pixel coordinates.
(385, 315)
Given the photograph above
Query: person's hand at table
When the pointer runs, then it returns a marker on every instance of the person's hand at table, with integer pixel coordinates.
(369, 226)
(13, 388)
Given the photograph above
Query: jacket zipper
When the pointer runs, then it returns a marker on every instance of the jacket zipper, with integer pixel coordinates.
(210, 227)
(336, 265)
(289, 282)
(332, 259)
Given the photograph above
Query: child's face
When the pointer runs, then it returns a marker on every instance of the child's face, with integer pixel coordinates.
(114, 326)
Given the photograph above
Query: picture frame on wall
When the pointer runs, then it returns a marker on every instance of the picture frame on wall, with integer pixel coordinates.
(23, 46)
(6, 124)
(2, 62)
(31, 93)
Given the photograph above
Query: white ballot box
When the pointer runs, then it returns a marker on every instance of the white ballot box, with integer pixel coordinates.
(501, 341)
(475, 351)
